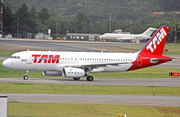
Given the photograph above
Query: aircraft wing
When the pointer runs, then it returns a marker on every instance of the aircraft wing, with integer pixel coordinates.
(125, 39)
(138, 37)
(92, 66)
(102, 64)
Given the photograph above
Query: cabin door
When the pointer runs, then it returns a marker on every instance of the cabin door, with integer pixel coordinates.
(29, 58)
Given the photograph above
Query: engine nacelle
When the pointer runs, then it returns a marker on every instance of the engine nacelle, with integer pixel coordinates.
(74, 72)
(52, 73)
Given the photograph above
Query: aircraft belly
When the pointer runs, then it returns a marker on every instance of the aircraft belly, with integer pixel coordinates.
(45, 67)
(36, 67)
(119, 68)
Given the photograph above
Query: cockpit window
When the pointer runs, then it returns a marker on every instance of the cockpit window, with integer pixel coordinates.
(15, 57)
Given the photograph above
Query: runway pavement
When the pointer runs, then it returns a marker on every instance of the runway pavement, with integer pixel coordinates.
(96, 99)
(165, 82)
(75, 46)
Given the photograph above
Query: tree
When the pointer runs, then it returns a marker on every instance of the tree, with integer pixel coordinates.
(44, 15)
(8, 21)
(168, 5)
(33, 21)
(82, 23)
(174, 28)
(22, 19)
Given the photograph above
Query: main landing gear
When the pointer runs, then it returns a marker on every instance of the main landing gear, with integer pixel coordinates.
(88, 78)
(26, 75)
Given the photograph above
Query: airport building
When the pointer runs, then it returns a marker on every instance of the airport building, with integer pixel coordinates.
(82, 37)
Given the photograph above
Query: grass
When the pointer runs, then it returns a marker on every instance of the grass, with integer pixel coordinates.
(88, 110)
(141, 73)
(84, 89)
(5, 53)
(172, 48)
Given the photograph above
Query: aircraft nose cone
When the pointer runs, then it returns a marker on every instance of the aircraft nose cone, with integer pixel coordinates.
(101, 37)
(5, 63)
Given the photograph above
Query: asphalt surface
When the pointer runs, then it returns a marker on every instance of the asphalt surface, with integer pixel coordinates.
(96, 99)
(75, 46)
(165, 82)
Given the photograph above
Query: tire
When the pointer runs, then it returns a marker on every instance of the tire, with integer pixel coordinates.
(89, 78)
(25, 77)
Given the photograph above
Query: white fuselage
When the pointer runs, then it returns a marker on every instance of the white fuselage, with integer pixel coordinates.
(46, 61)
(145, 35)
(123, 36)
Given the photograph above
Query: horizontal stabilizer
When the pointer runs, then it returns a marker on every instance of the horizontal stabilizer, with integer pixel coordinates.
(160, 59)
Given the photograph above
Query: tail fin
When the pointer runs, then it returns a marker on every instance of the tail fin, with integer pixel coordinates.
(156, 44)
(148, 32)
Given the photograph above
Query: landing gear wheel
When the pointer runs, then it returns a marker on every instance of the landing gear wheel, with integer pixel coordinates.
(76, 78)
(89, 78)
(25, 77)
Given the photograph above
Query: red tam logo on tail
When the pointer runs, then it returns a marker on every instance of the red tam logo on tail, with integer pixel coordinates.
(157, 42)
(157, 39)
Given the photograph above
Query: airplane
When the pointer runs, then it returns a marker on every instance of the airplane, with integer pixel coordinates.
(80, 64)
(145, 35)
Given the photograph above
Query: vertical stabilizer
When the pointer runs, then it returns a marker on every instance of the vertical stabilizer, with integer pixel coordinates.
(156, 44)
(148, 32)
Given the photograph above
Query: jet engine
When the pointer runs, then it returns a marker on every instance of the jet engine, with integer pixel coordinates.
(74, 72)
(52, 73)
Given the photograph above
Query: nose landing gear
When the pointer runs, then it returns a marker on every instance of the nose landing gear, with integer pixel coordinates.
(26, 75)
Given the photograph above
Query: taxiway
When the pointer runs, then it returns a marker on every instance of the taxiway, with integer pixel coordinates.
(96, 99)
(165, 82)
